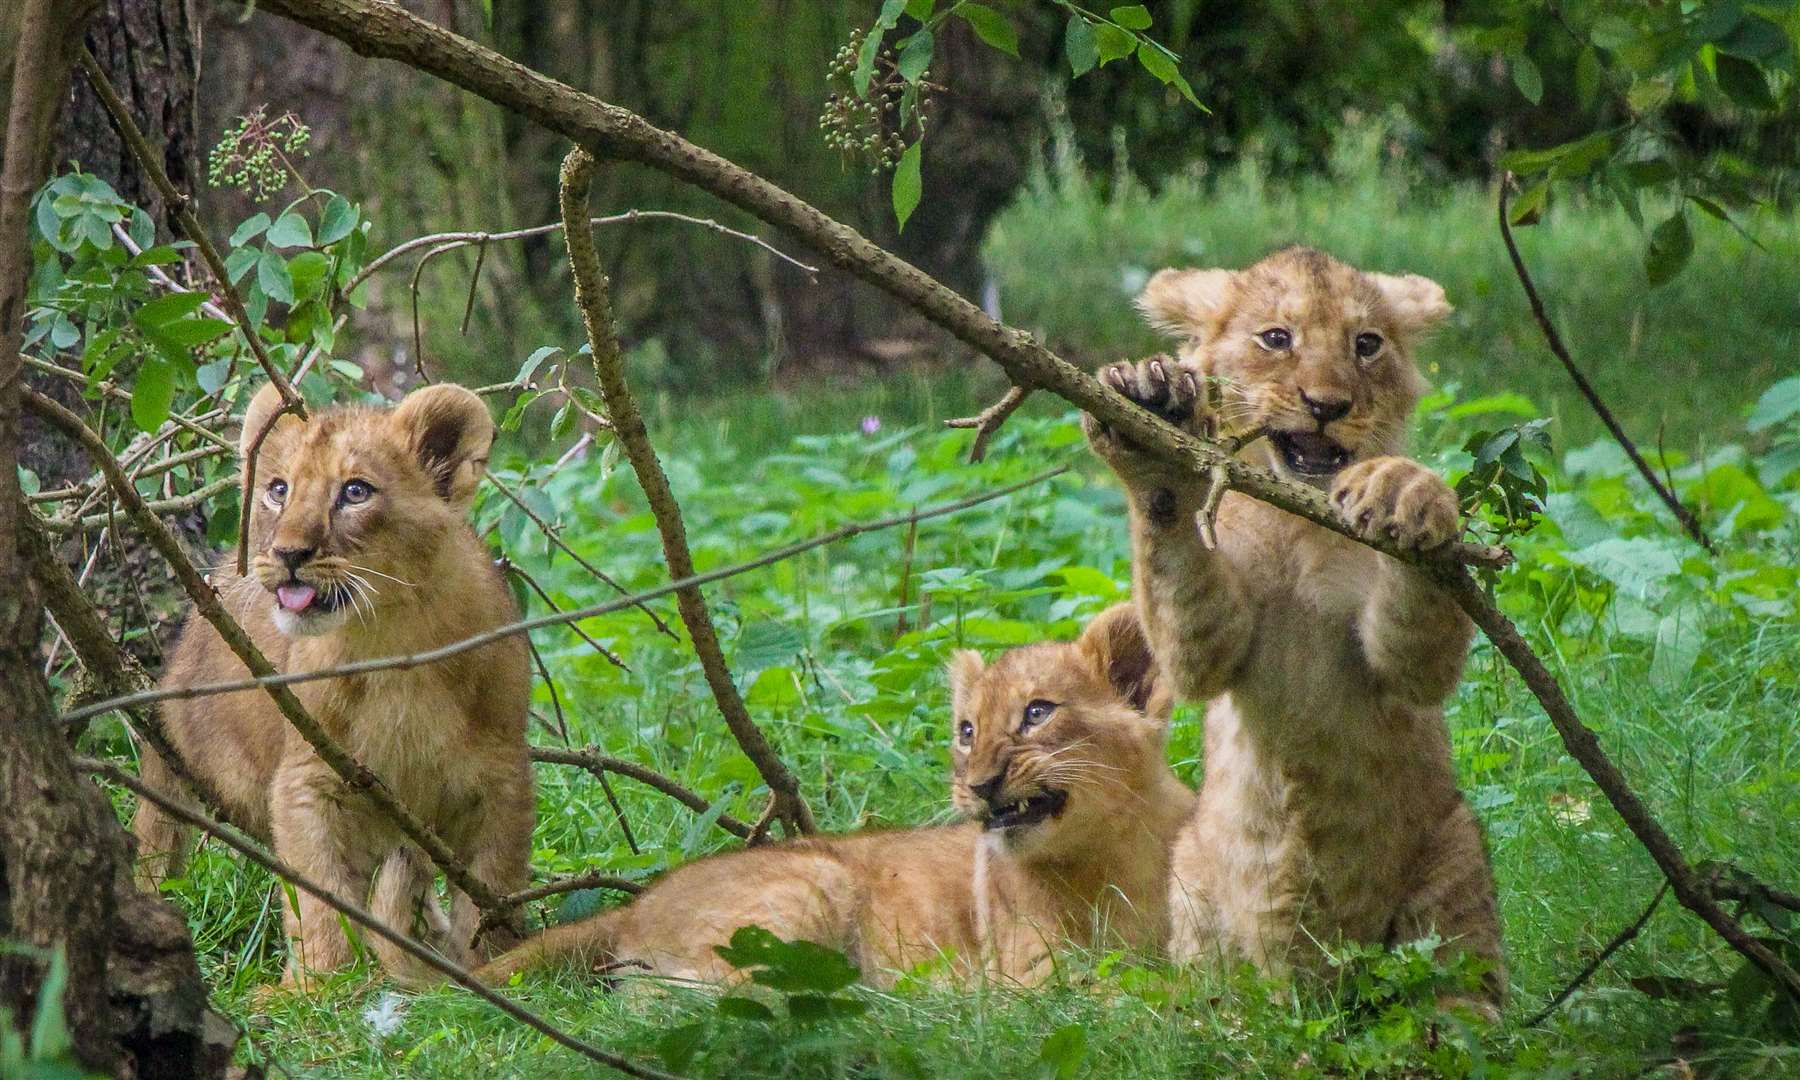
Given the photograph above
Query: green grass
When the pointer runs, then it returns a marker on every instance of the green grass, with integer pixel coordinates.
(1688, 667)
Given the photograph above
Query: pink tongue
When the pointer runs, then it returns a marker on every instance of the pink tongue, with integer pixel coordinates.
(295, 597)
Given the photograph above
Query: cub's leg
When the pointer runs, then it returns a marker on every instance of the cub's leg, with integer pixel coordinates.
(163, 843)
(319, 836)
(1453, 898)
(403, 899)
(1413, 635)
(1199, 623)
(498, 854)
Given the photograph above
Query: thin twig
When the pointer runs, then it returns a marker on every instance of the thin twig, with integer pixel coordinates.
(593, 298)
(523, 626)
(518, 571)
(180, 504)
(554, 535)
(1688, 521)
(247, 488)
(119, 393)
(474, 280)
(244, 846)
(537, 661)
(988, 421)
(357, 777)
(452, 240)
(600, 764)
(157, 275)
(1618, 942)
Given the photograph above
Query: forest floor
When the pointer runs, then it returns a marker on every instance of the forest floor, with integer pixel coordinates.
(1687, 666)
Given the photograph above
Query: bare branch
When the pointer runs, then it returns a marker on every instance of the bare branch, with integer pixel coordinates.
(119, 393)
(988, 421)
(157, 275)
(356, 776)
(518, 571)
(592, 297)
(600, 764)
(1689, 522)
(1618, 942)
(244, 846)
(488, 637)
(587, 879)
(180, 504)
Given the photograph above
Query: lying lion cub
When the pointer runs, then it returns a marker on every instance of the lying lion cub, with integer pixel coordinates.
(1329, 809)
(1058, 756)
(362, 550)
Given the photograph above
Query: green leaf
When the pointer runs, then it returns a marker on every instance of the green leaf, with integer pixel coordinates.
(249, 230)
(272, 274)
(1613, 32)
(532, 362)
(290, 231)
(678, 1046)
(991, 26)
(1778, 403)
(1063, 1051)
(239, 262)
(1079, 44)
(1756, 38)
(152, 393)
(161, 255)
(765, 643)
(1527, 78)
(1528, 208)
(1638, 566)
(307, 270)
(186, 333)
(1743, 82)
(578, 905)
(1640, 174)
(337, 221)
(891, 10)
(1670, 246)
(1132, 17)
(1588, 77)
(168, 308)
(865, 62)
(915, 56)
(1712, 209)
(1114, 43)
(920, 9)
(817, 1008)
(743, 1008)
(908, 184)
(49, 1026)
(1156, 63)
(563, 422)
(212, 376)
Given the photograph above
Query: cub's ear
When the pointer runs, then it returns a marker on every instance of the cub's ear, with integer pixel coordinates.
(262, 406)
(1185, 303)
(965, 668)
(1116, 648)
(1418, 303)
(449, 430)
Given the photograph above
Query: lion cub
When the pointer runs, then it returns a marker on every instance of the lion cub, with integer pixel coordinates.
(362, 550)
(1329, 809)
(1058, 758)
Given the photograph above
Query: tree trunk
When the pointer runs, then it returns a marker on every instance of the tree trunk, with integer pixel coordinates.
(133, 1001)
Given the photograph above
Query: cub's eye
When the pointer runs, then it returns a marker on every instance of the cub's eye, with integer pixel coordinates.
(965, 732)
(277, 490)
(356, 491)
(1275, 338)
(1368, 344)
(1036, 713)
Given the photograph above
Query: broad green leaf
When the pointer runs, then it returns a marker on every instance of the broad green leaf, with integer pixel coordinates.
(168, 308)
(891, 10)
(578, 905)
(1527, 78)
(152, 393)
(239, 262)
(908, 184)
(1778, 403)
(1743, 82)
(743, 1008)
(1647, 173)
(1755, 38)
(337, 221)
(1063, 1051)
(921, 9)
(1639, 566)
(1613, 32)
(765, 643)
(307, 270)
(1588, 77)
(865, 61)
(915, 56)
(678, 1046)
(251, 228)
(1156, 63)
(537, 357)
(1079, 44)
(272, 274)
(161, 255)
(817, 1008)
(990, 26)
(1670, 246)
(290, 231)
(1131, 17)
(1114, 43)
(1528, 208)
(1679, 638)
(184, 334)
(212, 376)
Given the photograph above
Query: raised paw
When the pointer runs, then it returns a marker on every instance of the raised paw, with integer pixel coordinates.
(1161, 386)
(1398, 499)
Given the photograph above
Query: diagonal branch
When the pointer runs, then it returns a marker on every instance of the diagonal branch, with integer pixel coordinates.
(592, 297)
(1619, 941)
(988, 420)
(600, 764)
(1689, 523)
(359, 778)
(454, 972)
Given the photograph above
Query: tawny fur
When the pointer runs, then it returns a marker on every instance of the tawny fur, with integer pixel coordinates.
(1329, 809)
(448, 739)
(998, 901)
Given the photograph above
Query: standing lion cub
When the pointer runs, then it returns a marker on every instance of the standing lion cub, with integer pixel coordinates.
(1058, 758)
(362, 550)
(1329, 809)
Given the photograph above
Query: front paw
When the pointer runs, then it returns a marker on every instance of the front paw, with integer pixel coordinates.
(1161, 386)
(1398, 499)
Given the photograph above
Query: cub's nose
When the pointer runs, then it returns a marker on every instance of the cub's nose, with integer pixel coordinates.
(293, 558)
(987, 789)
(1325, 409)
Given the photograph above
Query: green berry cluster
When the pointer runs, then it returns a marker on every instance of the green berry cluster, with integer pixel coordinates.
(255, 155)
(865, 128)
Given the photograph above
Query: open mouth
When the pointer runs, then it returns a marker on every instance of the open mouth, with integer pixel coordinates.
(1043, 806)
(299, 598)
(1309, 453)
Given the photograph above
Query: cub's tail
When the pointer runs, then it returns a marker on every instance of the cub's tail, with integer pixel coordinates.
(587, 944)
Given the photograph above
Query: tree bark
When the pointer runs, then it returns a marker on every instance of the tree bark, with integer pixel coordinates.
(133, 1003)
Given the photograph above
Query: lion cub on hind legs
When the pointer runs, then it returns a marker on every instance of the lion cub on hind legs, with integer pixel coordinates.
(1057, 756)
(1329, 809)
(362, 550)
